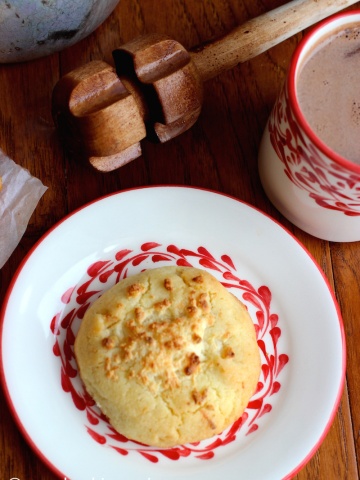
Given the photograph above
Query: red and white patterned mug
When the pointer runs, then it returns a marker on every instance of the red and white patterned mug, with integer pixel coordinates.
(312, 186)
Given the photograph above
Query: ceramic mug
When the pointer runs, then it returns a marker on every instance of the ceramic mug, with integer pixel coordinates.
(315, 188)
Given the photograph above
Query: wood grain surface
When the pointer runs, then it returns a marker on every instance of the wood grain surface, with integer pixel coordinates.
(219, 152)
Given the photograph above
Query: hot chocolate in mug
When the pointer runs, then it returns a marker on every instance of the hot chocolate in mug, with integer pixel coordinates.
(309, 157)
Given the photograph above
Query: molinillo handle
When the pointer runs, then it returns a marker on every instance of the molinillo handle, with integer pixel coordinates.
(155, 90)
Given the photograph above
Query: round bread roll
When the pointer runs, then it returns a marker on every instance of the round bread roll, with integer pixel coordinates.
(169, 355)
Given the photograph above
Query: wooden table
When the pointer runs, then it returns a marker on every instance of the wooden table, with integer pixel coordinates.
(219, 153)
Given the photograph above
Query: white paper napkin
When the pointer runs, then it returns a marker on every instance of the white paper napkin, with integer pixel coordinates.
(19, 196)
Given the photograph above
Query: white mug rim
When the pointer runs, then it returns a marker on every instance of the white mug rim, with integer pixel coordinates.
(338, 20)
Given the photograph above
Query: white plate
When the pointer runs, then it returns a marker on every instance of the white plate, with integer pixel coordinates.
(300, 335)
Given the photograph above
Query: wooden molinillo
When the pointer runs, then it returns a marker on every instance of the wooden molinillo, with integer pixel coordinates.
(155, 89)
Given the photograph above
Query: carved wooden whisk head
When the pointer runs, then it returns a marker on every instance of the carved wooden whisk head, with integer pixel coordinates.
(154, 91)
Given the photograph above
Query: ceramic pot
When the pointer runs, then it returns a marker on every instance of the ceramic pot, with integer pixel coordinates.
(34, 28)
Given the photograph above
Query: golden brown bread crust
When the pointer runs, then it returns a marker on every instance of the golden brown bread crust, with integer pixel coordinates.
(169, 355)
